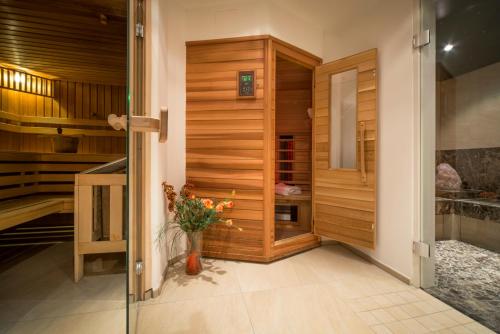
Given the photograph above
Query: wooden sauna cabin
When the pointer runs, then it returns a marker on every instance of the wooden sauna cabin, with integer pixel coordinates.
(63, 71)
(265, 117)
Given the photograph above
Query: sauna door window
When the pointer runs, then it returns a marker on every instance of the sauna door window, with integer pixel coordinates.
(343, 117)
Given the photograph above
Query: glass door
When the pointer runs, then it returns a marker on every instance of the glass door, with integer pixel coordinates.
(63, 175)
(460, 122)
(427, 135)
(136, 154)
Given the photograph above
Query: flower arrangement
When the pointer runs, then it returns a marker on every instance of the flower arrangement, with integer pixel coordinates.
(193, 215)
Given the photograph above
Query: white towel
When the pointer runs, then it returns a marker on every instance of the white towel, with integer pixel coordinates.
(286, 190)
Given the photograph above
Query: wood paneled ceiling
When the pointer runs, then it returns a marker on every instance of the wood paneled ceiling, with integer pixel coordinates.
(78, 40)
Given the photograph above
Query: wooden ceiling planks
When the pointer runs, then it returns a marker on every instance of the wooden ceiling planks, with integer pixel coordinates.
(66, 39)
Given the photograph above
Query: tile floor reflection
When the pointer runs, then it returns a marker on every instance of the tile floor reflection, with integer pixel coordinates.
(325, 290)
(38, 295)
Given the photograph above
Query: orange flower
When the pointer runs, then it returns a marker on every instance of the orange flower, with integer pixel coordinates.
(192, 196)
(229, 222)
(229, 204)
(208, 203)
(219, 208)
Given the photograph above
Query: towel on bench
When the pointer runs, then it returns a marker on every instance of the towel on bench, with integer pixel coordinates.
(286, 190)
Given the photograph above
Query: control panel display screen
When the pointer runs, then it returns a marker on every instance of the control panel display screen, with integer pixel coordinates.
(246, 83)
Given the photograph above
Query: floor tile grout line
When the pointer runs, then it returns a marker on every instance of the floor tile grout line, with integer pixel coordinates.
(245, 303)
(147, 303)
(66, 316)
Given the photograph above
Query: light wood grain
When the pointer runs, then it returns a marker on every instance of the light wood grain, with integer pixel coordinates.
(65, 39)
(225, 136)
(28, 123)
(84, 241)
(345, 199)
(230, 143)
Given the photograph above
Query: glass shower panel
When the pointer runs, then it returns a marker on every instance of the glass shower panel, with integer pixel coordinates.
(460, 76)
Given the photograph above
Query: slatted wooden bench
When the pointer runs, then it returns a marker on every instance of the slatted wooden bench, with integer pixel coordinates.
(34, 185)
(112, 215)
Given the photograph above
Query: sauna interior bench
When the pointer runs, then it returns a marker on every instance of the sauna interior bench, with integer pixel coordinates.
(34, 185)
(21, 210)
(305, 196)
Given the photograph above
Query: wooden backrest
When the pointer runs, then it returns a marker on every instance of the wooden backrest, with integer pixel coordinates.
(29, 173)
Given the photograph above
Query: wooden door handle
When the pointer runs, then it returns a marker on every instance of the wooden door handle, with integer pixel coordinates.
(362, 151)
(142, 123)
(118, 123)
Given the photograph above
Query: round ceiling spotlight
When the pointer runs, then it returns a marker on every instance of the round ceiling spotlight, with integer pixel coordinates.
(448, 47)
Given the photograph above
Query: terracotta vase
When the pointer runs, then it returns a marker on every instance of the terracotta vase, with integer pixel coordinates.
(193, 261)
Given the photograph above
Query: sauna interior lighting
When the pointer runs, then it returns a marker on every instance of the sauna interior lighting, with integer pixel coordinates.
(448, 47)
(17, 77)
(25, 82)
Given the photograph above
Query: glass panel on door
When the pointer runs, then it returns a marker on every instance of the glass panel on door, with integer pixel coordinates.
(343, 111)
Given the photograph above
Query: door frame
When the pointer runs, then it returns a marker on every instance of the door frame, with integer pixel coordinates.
(425, 144)
(138, 159)
(277, 248)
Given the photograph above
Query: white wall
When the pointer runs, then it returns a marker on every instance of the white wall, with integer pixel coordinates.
(389, 29)
(260, 17)
(166, 87)
(468, 114)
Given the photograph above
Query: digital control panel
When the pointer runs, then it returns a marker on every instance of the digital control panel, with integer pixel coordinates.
(246, 84)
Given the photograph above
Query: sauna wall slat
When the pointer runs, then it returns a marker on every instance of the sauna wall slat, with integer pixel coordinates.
(73, 101)
(65, 39)
(225, 141)
(293, 98)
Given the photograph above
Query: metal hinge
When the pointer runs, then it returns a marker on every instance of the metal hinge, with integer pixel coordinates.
(139, 30)
(421, 249)
(421, 39)
(139, 268)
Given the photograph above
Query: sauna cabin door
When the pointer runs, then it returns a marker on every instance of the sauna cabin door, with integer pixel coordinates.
(344, 153)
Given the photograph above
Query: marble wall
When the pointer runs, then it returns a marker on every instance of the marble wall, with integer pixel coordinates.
(466, 215)
(479, 168)
(475, 221)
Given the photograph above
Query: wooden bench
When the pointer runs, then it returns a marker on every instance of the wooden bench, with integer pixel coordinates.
(303, 204)
(34, 185)
(112, 213)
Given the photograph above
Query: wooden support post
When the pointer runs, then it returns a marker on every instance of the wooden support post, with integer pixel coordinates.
(84, 212)
(116, 213)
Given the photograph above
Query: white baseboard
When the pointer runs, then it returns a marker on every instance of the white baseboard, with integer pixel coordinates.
(370, 259)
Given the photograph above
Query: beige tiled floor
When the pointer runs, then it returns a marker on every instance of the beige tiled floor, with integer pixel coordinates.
(325, 290)
(39, 296)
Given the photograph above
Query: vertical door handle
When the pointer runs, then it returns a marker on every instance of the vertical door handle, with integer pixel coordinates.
(362, 151)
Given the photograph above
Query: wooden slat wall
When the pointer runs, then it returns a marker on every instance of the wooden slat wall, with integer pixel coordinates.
(66, 39)
(28, 173)
(225, 141)
(72, 100)
(293, 98)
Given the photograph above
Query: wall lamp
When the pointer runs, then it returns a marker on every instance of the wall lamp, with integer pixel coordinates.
(24, 82)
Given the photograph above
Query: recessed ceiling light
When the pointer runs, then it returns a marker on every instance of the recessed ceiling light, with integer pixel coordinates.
(448, 47)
